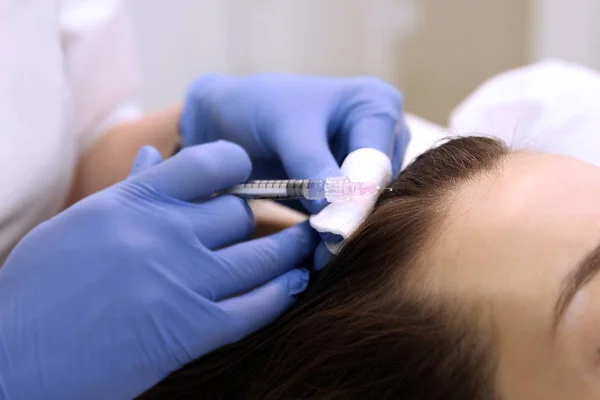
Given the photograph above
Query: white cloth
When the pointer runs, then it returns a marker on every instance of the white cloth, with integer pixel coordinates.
(342, 218)
(424, 135)
(67, 74)
(551, 107)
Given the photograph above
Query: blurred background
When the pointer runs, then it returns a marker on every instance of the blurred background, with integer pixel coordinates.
(435, 51)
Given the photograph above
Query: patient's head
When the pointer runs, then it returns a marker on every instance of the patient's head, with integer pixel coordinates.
(472, 279)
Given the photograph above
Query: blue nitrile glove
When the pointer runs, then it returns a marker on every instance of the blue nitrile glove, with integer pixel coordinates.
(107, 298)
(297, 127)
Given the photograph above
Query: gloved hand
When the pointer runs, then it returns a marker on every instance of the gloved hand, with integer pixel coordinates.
(110, 296)
(296, 127)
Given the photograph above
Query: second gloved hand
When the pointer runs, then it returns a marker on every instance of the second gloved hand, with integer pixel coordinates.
(296, 127)
(107, 298)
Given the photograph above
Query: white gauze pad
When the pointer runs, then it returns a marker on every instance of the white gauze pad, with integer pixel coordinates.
(342, 218)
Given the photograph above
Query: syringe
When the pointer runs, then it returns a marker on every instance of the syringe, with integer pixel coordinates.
(331, 189)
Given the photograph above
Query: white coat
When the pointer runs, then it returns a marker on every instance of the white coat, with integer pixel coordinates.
(67, 75)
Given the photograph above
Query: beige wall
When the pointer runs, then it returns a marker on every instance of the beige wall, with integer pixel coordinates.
(179, 40)
(458, 45)
(435, 51)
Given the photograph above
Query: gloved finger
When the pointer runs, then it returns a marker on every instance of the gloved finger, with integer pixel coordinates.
(263, 305)
(197, 172)
(322, 256)
(306, 156)
(253, 263)
(147, 157)
(372, 116)
(376, 132)
(222, 221)
(196, 111)
(267, 169)
(403, 138)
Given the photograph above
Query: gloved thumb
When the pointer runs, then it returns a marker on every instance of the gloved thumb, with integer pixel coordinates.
(147, 157)
(264, 304)
(199, 171)
(322, 256)
(305, 154)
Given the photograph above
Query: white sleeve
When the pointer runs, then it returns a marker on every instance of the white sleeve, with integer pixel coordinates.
(100, 66)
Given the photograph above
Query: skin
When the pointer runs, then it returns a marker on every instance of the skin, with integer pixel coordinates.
(110, 159)
(509, 239)
(271, 217)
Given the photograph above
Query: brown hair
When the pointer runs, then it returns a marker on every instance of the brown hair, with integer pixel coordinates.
(365, 329)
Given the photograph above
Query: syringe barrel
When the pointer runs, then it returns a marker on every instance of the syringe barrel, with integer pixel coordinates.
(276, 189)
(330, 189)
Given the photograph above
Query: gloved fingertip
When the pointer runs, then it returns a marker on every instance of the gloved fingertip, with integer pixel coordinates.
(194, 111)
(199, 85)
(314, 206)
(375, 132)
(298, 281)
(331, 237)
(302, 233)
(403, 138)
(322, 256)
(147, 157)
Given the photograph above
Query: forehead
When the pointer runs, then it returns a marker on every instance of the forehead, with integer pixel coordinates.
(535, 207)
(509, 239)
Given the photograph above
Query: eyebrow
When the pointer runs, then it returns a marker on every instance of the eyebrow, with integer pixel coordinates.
(580, 276)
